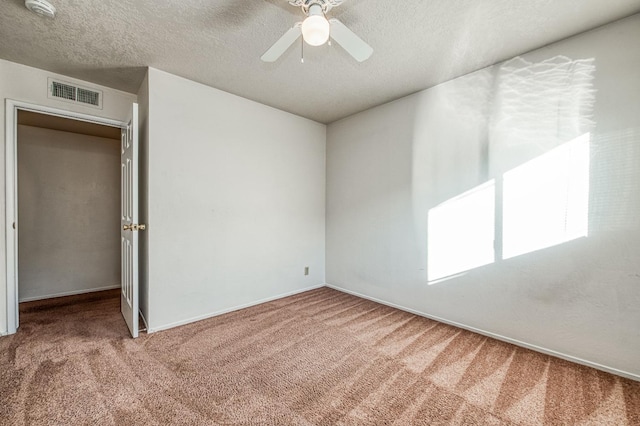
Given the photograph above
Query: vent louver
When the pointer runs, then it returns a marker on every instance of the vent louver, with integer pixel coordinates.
(76, 94)
(88, 96)
(64, 91)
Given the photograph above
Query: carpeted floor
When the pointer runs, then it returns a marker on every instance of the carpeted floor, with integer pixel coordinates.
(320, 357)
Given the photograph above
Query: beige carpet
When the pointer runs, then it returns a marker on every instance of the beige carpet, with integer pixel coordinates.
(321, 357)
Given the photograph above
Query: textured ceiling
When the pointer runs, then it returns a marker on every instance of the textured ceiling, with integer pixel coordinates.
(417, 44)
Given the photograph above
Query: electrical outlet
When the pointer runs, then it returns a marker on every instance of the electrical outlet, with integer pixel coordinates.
(306, 270)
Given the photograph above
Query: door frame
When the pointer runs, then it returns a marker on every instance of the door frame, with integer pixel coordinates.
(11, 190)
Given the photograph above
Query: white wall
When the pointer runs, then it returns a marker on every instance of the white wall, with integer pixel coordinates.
(27, 84)
(236, 201)
(388, 166)
(68, 212)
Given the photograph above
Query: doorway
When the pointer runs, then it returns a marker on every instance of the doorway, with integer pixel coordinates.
(68, 206)
(128, 138)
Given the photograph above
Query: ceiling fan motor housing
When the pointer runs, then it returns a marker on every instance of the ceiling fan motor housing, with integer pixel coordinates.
(41, 7)
(306, 5)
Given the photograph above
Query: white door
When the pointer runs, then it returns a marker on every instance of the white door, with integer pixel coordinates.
(129, 222)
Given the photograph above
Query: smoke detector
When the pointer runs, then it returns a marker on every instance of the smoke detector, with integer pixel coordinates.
(41, 7)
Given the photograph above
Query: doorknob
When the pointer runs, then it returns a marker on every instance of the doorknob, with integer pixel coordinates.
(134, 227)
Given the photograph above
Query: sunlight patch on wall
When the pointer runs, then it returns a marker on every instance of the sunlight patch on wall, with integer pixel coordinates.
(461, 232)
(546, 200)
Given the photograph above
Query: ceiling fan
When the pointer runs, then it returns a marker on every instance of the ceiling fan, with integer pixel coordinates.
(316, 30)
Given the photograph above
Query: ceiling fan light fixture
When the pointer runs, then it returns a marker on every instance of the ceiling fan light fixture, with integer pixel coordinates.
(316, 28)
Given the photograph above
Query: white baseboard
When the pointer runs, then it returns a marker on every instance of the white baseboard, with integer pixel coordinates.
(497, 336)
(226, 311)
(68, 293)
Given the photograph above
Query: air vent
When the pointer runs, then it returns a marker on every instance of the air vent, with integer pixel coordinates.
(87, 96)
(64, 91)
(75, 94)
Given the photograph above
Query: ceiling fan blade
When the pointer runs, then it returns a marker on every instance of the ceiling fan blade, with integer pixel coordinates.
(283, 44)
(349, 41)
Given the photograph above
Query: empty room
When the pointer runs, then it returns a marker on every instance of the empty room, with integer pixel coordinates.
(319, 212)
